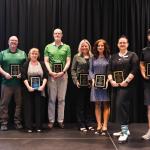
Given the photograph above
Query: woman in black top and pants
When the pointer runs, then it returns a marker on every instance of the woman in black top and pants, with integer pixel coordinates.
(122, 70)
(80, 65)
(33, 95)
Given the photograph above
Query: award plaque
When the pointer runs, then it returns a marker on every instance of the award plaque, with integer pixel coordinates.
(14, 70)
(35, 82)
(57, 67)
(148, 69)
(83, 79)
(100, 81)
(118, 76)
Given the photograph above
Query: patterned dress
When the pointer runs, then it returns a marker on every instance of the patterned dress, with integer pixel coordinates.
(98, 66)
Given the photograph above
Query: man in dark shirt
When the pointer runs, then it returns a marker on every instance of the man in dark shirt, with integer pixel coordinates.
(145, 71)
(10, 60)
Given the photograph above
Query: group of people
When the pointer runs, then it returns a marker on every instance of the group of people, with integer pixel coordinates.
(93, 71)
(25, 77)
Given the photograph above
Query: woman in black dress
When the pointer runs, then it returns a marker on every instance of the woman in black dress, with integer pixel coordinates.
(144, 67)
(122, 70)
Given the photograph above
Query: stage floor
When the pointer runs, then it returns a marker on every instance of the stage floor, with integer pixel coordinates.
(72, 139)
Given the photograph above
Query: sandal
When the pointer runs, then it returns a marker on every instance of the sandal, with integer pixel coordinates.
(83, 129)
(91, 128)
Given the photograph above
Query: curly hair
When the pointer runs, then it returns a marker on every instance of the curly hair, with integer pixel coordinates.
(106, 48)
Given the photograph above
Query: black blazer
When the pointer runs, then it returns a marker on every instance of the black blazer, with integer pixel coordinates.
(24, 70)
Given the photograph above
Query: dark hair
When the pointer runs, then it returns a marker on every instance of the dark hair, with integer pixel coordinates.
(123, 36)
(106, 48)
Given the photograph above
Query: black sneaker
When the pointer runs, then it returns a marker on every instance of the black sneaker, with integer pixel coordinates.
(61, 125)
(4, 127)
(18, 126)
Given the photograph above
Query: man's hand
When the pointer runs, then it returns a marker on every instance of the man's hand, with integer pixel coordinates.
(19, 76)
(53, 75)
(8, 76)
(59, 74)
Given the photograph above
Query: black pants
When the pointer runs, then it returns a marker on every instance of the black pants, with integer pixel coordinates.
(32, 109)
(83, 107)
(123, 99)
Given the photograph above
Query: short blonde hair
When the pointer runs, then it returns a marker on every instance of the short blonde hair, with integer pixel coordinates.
(79, 47)
(34, 49)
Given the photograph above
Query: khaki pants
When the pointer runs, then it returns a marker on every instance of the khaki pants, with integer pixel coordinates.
(57, 90)
(6, 95)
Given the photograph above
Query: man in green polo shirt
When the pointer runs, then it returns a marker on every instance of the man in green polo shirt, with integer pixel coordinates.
(57, 57)
(10, 61)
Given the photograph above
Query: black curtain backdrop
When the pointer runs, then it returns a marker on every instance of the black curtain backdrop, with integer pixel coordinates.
(34, 20)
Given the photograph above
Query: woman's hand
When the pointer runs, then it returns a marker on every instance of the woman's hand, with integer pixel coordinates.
(41, 88)
(114, 84)
(145, 77)
(93, 82)
(106, 84)
(78, 84)
(30, 89)
(124, 84)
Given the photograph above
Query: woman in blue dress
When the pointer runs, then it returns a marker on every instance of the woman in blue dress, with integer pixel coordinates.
(98, 66)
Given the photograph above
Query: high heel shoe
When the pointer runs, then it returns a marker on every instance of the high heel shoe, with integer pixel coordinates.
(104, 132)
(98, 131)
